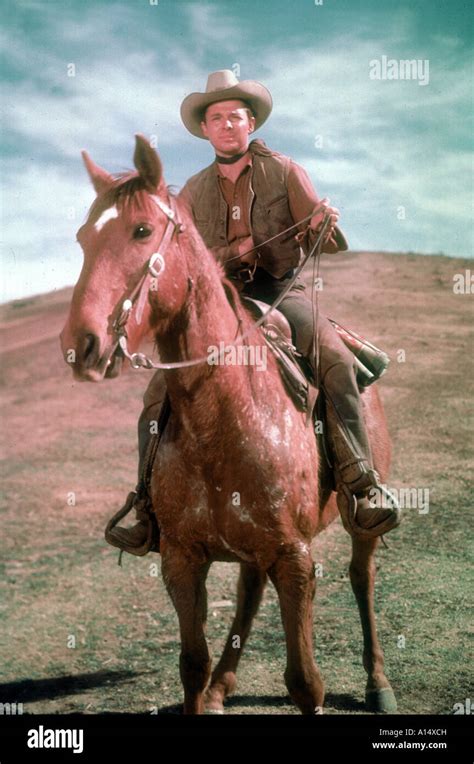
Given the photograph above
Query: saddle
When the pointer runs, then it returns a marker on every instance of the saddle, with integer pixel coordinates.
(295, 369)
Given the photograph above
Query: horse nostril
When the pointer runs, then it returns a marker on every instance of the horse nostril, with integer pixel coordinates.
(89, 348)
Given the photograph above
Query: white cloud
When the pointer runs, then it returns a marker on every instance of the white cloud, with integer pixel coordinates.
(384, 144)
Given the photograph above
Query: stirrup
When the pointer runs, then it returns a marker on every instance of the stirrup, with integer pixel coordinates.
(347, 505)
(152, 541)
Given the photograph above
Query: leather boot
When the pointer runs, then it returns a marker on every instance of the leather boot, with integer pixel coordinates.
(367, 508)
(144, 536)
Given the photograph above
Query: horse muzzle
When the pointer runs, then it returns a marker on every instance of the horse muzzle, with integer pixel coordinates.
(89, 364)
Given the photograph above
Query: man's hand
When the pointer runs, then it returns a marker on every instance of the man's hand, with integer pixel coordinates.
(320, 215)
(243, 246)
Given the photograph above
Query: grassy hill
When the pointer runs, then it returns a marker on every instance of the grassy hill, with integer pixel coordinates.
(60, 582)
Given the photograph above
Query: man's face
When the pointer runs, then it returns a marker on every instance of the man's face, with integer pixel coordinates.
(227, 125)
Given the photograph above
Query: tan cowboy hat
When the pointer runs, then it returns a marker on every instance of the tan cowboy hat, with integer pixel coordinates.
(224, 86)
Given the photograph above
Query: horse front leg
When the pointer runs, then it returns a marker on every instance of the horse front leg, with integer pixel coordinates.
(294, 579)
(379, 696)
(185, 581)
(249, 594)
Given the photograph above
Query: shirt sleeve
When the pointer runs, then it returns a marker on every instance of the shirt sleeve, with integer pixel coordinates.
(227, 256)
(303, 200)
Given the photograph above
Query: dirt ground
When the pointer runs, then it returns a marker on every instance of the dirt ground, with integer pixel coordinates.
(81, 634)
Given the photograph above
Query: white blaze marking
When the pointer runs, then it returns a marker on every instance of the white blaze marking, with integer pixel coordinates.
(105, 217)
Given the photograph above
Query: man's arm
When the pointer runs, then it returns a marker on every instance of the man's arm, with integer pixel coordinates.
(303, 200)
(229, 256)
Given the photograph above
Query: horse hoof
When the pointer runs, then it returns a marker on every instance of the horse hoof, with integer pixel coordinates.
(381, 701)
(214, 711)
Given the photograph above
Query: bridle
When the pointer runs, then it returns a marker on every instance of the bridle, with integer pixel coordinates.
(137, 297)
(155, 266)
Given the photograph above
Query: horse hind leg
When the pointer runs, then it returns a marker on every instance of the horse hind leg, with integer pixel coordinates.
(379, 696)
(249, 595)
(186, 585)
(294, 579)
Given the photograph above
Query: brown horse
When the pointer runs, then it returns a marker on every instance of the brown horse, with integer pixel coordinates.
(236, 475)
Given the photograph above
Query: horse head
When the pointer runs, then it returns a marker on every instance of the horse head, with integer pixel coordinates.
(127, 225)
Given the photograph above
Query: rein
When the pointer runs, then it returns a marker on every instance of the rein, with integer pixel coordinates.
(277, 235)
(138, 294)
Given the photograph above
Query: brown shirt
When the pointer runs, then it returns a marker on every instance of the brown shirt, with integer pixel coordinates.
(237, 197)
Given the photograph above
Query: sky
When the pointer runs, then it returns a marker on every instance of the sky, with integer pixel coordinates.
(394, 155)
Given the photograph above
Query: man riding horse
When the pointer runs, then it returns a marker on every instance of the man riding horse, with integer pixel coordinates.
(245, 197)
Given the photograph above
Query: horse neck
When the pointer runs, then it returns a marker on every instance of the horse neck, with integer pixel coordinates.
(207, 319)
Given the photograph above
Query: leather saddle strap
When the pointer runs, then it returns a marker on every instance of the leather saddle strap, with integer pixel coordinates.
(146, 473)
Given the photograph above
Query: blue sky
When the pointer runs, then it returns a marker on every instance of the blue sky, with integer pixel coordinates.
(371, 146)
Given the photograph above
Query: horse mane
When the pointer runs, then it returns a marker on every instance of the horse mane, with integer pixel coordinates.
(198, 250)
(129, 192)
(231, 292)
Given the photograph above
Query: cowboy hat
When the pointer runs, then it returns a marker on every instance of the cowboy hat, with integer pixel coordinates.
(224, 86)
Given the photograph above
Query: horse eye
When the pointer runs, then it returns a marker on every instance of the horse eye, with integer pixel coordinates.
(141, 232)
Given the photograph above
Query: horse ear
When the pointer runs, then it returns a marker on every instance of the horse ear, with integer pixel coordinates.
(147, 162)
(100, 178)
